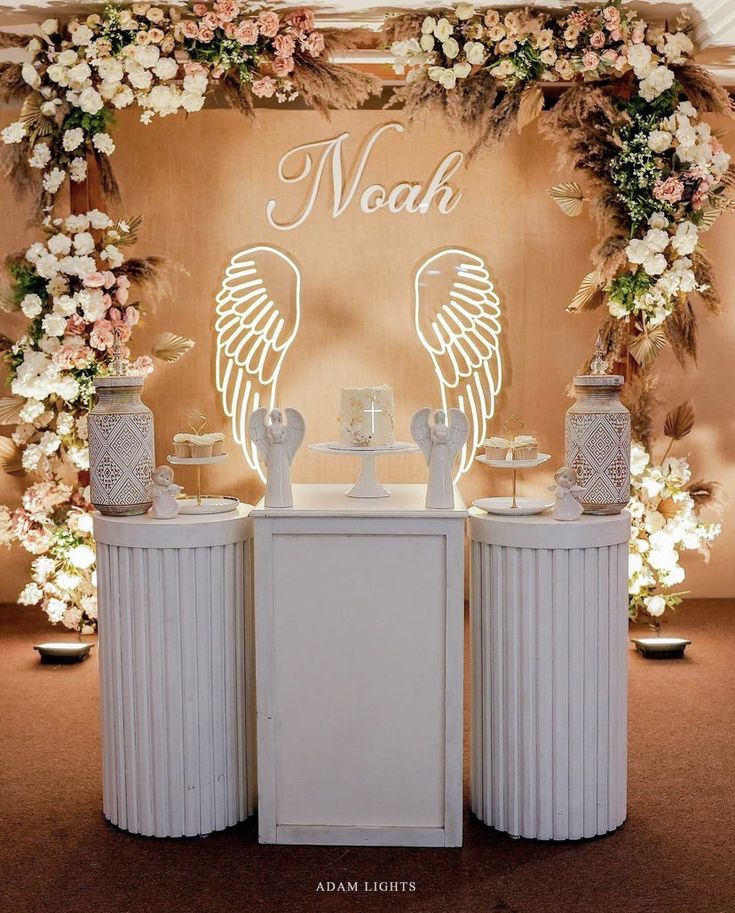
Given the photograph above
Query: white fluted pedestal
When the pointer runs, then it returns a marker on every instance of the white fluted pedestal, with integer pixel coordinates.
(549, 674)
(177, 672)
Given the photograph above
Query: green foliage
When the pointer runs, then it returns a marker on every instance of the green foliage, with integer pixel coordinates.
(26, 282)
(90, 123)
(629, 287)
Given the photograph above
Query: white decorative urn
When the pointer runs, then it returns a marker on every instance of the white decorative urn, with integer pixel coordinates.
(597, 438)
(121, 447)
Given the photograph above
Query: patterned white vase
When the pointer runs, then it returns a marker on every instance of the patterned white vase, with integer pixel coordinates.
(121, 447)
(597, 438)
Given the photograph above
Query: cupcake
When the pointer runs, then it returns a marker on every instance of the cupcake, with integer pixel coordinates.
(496, 448)
(182, 448)
(218, 440)
(201, 445)
(524, 447)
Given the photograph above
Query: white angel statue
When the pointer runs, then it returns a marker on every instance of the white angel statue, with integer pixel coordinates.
(277, 443)
(440, 443)
(566, 505)
(164, 491)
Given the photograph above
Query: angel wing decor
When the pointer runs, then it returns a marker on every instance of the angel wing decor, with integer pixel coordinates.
(258, 313)
(457, 315)
(440, 444)
(277, 442)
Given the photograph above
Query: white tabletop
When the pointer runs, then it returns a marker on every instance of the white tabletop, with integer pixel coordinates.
(543, 531)
(184, 531)
(331, 500)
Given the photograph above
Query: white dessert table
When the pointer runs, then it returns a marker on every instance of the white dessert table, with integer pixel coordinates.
(177, 672)
(549, 624)
(359, 630)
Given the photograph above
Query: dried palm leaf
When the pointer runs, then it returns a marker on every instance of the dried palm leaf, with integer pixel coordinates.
(169, 347)
(568, 197)
(646, 347)
(531, 105)
(10, 407)
(588, 296)
(709, 217)
(680, 421)
(668, 508)
(11, 460)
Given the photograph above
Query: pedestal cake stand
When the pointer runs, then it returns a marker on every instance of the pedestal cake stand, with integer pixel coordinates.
(514, 506)
(203, 504)
(367, 486)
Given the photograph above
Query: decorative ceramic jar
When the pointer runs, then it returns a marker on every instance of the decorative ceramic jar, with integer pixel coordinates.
(597, 438)
(121, 447)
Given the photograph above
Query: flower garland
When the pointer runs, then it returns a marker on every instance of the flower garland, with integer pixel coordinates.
(163, 60)
(74, 289)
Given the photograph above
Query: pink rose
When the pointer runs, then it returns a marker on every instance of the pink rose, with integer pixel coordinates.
(200, 9)
(590, 61)
(191, 68)
(114, 314)
(121, 295)
(284, 45)
(314, 44)
(247, 32)
(638, 33)
(211, 21)
(268, 23)
(143, 365)
(302, 19)
(229, 28)
(616, 35)
(282, 66)
(109, 278)
(132, 316)
(610, 56)
(76, 325)
(205, 35)
(227, 9)
(101, 336)
(189, 29)
(122, 280)
(611, 15)
(94, 280)
(597, 40)
(264, 88)
(670, 191)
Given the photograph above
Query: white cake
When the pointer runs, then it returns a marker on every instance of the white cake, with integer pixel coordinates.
(366, 417)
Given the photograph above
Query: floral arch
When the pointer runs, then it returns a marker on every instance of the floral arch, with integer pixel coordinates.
(619, 95)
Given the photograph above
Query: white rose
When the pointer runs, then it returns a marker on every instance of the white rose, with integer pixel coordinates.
(81, 556)
(93, 305)
(655, 605)
(195, 84)
(49, 26)
(123, 97)
(637, 250)
(30, 75)
(65, 305)
(427, 43)
(110, 69)
(475, 52)
(658, 81)
(677, 47)
(655, 264)
(146, 55)
(428, 25)
(443, 29)
(617, 309)
(658, 220)
(78, 169)
(82, 35)
(54, 324)
(83, 243)
(90, 101)
(13, 133)
(97, 219)
(40, 156)
(450, 48)
(192, 102)
(67, 388)
(140, 78)
(639, 57)
(113, 256)
(67, 58)
(52, 180)
(79, 75)
(687, 109)
(685, 240)
(102, 142)
(462, 70)
(72, 138)
(58, 74)
(31, 306)
(656, 240)
(659, 140)
(166, 68)
(464, 11)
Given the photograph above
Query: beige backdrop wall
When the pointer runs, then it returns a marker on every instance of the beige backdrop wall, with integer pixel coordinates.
(202, 185)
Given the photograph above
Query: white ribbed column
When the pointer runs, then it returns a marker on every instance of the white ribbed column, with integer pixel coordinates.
(549, 674)
(177, 672)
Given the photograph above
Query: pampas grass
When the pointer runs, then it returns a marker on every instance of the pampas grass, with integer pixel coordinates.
(152, 274)
(12, 85)
(703, 90)
(639, 396)
(681, 331)
(13, 40)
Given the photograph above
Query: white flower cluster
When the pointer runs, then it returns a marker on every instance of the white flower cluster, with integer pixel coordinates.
(692, 141)
(654, 77)
(665, 522)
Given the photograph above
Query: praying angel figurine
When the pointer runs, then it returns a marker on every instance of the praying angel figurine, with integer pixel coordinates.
(164, 491)
(440, 443)
(566, 506)
(277, 443)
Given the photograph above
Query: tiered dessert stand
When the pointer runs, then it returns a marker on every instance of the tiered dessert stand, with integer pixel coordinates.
(199, 503)
(514, 506)
(367, 485)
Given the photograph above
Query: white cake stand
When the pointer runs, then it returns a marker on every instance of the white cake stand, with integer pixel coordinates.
(514, 506)
(203, 504)
(367, 486)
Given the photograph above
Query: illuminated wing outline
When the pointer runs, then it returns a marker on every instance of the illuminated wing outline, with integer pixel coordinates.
(253, 334)
(462, 336)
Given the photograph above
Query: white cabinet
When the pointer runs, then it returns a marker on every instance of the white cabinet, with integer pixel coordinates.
(359, 630)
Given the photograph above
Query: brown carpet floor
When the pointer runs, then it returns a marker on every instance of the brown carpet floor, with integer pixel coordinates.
(675, 853)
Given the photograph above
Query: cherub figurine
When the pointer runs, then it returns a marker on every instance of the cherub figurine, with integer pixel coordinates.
(440, 443)
(164, 490)
(566, 506)
(277, 444)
